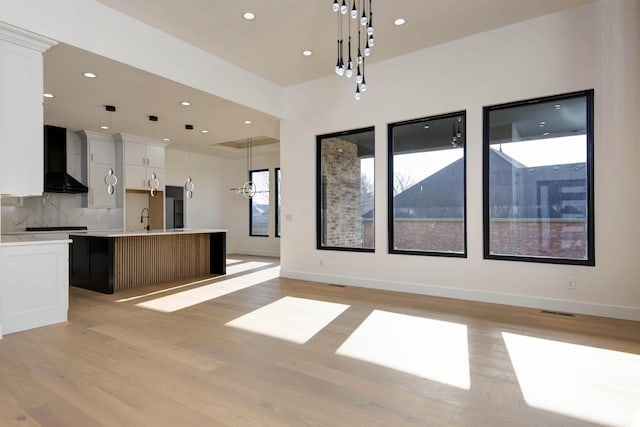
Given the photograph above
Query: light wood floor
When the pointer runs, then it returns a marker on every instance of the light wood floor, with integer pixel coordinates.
(115, 363)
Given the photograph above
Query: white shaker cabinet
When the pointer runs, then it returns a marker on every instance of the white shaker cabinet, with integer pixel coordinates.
(21, 112)
(143, 157)
(99, 156)
(34, 285)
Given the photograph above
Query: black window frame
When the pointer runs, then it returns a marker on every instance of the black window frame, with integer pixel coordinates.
(251, 233)
(390, 188)
(278, 177)
(319, 190)
(590, 259)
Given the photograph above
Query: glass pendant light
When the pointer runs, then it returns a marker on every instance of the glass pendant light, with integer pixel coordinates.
(370, 26)
(349, 70)
(363, 18)
(338, 60)
(340, 69)
(363, 84)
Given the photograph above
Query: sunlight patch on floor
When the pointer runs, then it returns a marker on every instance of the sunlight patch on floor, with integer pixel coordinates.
(431, 349)
(292, 319)
(589, 383)
(236, 269)
(191, 297)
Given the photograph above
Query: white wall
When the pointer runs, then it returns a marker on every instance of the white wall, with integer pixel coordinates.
(213, 205)
(595, 46)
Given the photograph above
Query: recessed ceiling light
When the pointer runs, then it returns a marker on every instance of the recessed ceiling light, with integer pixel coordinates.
(89, 75)
(400, 21)
(542, 124)
(166, 139)
(307, 53)
(557, 106)
(426, 126)
(185, 103)
(545, 134)
(248, 16)
(48, 95)
(105, 127)
(247, 122)
(204, 131)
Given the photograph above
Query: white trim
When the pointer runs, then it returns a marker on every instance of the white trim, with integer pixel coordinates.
(271, 254)
(25, 38)
(565, 306)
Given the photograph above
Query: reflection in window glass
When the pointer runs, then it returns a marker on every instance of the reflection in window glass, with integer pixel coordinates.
(259, 203)
(538, 180)
(427, 186)
(345, 191)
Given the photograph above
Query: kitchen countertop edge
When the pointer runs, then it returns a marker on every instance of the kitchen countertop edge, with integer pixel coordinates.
(148, 233)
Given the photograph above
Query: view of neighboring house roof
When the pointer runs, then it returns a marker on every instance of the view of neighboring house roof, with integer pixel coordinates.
(553, 191)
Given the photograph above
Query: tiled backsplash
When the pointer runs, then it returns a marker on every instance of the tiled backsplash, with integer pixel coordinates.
(54, 209)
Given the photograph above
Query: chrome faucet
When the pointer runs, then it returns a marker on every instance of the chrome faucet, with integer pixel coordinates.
(143, 216)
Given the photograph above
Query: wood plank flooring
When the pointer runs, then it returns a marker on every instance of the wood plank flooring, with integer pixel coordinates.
(117, 363)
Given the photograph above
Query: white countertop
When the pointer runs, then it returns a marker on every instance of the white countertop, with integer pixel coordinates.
(148, 233)
(34, 239)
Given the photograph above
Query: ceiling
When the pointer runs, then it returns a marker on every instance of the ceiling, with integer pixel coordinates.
(270, 47)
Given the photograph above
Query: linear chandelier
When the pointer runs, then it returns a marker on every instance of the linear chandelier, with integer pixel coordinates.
(364, 25)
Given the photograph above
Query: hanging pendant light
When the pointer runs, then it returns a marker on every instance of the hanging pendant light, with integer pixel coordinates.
(110, 179)
(363, 19)
(248, 189)
(154, 182)
(189, 185)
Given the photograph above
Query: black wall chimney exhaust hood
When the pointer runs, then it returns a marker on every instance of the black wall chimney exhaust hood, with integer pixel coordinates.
(56, 178)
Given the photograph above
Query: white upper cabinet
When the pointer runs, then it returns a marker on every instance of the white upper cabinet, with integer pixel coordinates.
(143, 157)
(21, 113)
(99, 157)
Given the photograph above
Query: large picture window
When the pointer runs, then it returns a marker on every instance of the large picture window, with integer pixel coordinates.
(426, 186)
(345, 190)
(538, 180)
(259, 204)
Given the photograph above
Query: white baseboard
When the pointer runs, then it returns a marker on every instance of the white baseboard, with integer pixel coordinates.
(565, 306)
(271, 254)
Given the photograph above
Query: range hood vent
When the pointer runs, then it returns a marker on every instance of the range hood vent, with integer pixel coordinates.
(56, 178)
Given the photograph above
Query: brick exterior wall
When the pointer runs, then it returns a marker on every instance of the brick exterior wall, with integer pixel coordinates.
(557, 239)
(341, 194)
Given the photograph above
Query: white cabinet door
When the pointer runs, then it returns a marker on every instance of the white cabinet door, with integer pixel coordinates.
(135, 153)
(155, 156)
(34, 287)
(21, 114)
(99, 155)
(103, 152)
(136, 177)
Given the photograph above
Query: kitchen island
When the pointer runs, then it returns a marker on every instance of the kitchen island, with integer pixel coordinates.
(110, 261)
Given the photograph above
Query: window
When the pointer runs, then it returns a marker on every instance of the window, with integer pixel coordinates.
(259, 204)
(426, 186)
(278, 204)
(345, 191)
(538, 180)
